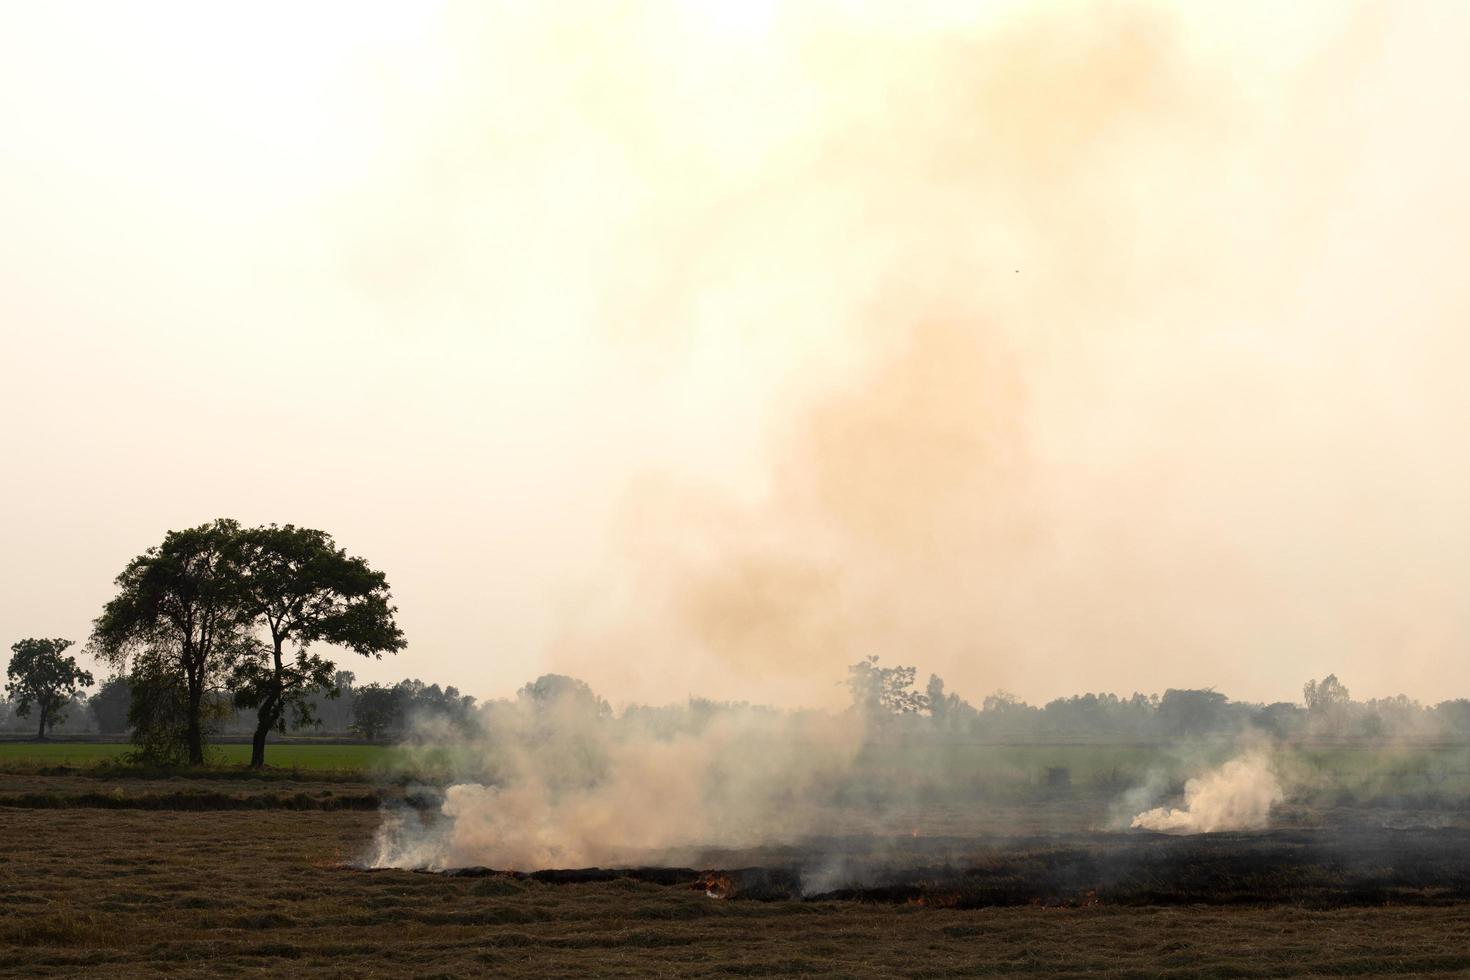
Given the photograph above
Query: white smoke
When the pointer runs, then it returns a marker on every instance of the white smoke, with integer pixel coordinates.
(1237, 796)
(563, 786)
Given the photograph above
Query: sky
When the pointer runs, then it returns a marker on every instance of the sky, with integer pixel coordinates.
(707, 348)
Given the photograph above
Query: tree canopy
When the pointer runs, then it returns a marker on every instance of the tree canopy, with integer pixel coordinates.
(176, 615)
(883, 691)
(220, 603)
(566, 692)
(40, 677)
(111, 704)
(296, 587)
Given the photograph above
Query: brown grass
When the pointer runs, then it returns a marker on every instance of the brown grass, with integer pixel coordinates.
(129, 892)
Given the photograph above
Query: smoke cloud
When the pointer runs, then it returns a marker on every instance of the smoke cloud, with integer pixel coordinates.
(1062, 347)
(1236, 796)
(560, 785)
(1067, 368)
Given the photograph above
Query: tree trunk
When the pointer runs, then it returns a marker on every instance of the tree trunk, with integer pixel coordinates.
(192, 732)
(265, 721)
(257, 746)
(41, 734)
(270, 705)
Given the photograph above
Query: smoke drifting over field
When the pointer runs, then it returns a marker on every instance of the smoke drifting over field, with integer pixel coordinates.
(1099, 348)
(555, 780)
(566, 788)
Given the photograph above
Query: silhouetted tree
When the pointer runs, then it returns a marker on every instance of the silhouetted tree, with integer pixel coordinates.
(1325, 695)
(549, 689)
(420, 702)
(1001, 701)
(39, 676)
(375, 711)
(879, 692)
(1191, 712)
(178, 606)
(1453, 715)
(298, 588)
(111, 703)
(947, 710)
(334, 714)
(1328, 704)
(1281, 719)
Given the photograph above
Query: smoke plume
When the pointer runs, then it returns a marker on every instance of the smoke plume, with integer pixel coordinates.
(560, 785)
(1237, 796)
(1062, 355)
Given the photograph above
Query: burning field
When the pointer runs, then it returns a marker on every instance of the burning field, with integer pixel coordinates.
(555, 838)
(1304, 868)
(134, 876)
(196, 893)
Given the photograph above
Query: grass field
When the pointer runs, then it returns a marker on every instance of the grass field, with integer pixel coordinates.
(337, 758)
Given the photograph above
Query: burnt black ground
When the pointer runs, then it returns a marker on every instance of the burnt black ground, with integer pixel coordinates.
(1320, 868)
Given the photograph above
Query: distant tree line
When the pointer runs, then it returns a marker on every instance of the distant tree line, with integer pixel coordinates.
(212, 632)
(889, 697)
(375, 712)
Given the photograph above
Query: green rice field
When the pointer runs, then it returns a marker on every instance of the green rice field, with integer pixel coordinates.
(323, 757)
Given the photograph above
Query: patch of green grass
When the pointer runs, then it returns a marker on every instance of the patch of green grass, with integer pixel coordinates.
(321, 758)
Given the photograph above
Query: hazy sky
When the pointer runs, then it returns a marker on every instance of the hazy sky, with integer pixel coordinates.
(705, 348)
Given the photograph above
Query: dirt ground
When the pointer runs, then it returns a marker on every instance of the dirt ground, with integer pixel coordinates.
(133, 892)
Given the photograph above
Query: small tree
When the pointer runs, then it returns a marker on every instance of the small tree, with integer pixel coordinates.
(880, 692)
(1001, 702)
(375, 710)
(299, 588)
(566, 692)
(111, 703)
(944, 709)
(1328, 704)
(1192, 712)
(1326, 695)
(39, 676)
(419, 703)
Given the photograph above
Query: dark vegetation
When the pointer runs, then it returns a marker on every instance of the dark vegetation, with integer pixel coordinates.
(390, 712)
(40, 678)
(219, 602)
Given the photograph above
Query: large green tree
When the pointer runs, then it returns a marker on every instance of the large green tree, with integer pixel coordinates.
(179, 607)
(40, 677)
(298, 588)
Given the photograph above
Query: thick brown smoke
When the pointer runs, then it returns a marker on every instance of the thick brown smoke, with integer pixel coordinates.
(1107, 347)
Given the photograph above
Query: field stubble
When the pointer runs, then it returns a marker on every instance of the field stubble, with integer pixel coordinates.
(131, 892)
(228, 872)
